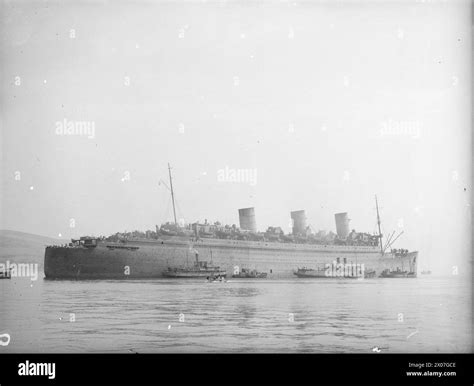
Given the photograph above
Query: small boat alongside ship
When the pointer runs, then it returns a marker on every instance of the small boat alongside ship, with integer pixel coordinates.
(246, 273)
(200, 269)
(397, 273)
(310, 273)
(216, 279)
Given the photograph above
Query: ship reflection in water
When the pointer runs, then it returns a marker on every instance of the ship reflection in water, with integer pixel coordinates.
(241, 315)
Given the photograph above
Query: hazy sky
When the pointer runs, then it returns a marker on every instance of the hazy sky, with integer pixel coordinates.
(324, 104)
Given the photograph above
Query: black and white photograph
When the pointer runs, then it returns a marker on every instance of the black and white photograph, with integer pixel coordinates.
(236, 177)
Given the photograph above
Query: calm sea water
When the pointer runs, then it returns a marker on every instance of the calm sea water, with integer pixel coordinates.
(427, 314)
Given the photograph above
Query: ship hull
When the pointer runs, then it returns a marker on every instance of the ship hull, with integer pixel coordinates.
(148, 259)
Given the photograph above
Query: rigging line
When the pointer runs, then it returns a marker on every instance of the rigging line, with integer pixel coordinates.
(161, 182)
(389, 238)
(391, 235)
(396, 238)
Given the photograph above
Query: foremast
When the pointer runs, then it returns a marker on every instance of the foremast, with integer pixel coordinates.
(172, 195)
(378, 223)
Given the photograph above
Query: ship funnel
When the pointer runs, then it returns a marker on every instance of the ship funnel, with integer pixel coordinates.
(342, 225)
(247, 219)
(299, 222)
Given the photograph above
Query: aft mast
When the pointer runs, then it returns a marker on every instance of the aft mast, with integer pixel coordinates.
(378, 223)
(172, 194)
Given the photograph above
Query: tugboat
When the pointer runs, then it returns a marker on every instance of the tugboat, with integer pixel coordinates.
(199, 269)
(309, 272)
(250, 274)
(397, 273)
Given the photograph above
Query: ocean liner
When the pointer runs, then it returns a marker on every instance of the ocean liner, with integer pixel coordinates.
(169, 248)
